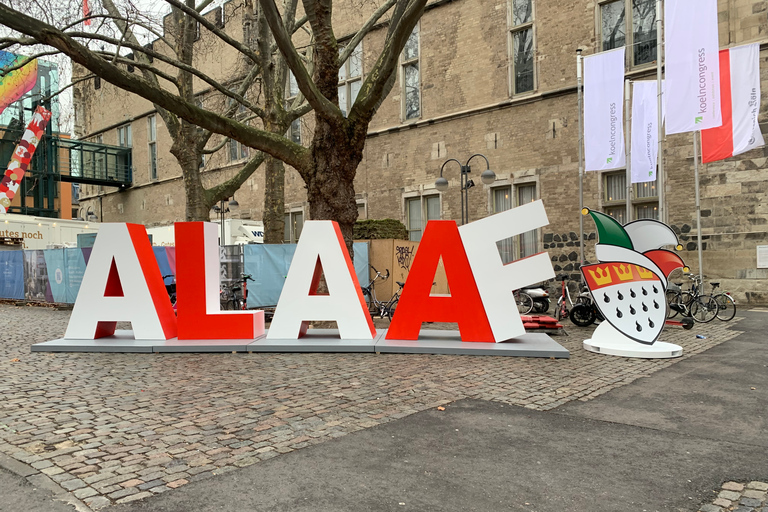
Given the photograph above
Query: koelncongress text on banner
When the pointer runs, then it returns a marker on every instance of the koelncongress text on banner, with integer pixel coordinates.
(603, 111)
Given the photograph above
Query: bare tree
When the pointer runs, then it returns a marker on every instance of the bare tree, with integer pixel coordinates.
(328, 166)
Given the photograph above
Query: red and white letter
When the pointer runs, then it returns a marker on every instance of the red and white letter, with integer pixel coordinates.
(122, 283)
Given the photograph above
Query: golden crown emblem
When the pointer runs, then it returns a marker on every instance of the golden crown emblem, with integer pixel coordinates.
(644, 273)
(601, 276)
(624, 272)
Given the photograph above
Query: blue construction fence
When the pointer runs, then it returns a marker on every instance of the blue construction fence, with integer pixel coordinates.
(55, 275)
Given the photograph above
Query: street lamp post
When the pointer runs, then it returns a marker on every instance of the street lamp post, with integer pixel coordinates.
(221, 209)
(487, 177)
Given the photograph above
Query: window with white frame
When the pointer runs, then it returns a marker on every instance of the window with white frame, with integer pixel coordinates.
(361, 211)
(350, 79)
(152, 146)
(638, 31)
(294, 132)
(419, 210)
(525, 244)
(521, 40)
(645, 201)
(528, 242)
(411, 76)
(294, 223)
(124, 137)
(501, 199)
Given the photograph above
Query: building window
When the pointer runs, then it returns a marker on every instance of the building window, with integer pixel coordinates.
(124, 136)
(501, 198)
(152, 146)
(525, 244)
(97, 82)
(521, 41)
(294, 222)
(419, 210)
(294, 132)
(645, 202)
(411, 78)
(237, 151)
(637, 33)
(361, 211)
(350, 79)
(528, 242)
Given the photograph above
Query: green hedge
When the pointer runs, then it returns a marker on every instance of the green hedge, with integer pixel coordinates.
(379, 229)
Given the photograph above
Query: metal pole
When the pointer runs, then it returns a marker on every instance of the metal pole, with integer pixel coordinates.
(463, 191)
(581, 156)
(627, 149)
(221, 213)
(659, 119)
(698, 203)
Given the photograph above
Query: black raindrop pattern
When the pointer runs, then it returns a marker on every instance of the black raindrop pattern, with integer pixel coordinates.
(633, 292)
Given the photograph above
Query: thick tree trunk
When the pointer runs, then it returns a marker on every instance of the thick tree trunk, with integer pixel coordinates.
(197, 208)
(274, 201)
(330, 187)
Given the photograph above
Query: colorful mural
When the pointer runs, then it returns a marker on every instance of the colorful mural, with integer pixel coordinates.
(18, 82)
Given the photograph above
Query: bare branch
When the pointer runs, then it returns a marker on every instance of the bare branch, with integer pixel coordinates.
(215, 30)
(380, 80)
(320, 103)
(375, 17)
(229, 187)
(276, 145)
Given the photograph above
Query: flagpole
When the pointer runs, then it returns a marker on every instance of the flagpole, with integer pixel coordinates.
(579, 82)
(698, 203)
(627, 149)
(659, 119)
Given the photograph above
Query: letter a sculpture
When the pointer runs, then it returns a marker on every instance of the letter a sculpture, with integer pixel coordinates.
(629, 286)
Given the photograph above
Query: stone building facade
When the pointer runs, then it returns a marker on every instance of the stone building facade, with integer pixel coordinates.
(496, 77)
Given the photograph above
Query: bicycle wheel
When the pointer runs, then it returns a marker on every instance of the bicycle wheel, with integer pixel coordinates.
(726, 307)
(524, 303)
(704, 309)
(673, 299)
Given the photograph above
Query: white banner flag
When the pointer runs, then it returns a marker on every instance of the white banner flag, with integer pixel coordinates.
(692, 65)
(603, 111)
(645, 130)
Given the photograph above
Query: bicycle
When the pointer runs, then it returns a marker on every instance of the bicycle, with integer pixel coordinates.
(171, 289)
(524, 302)
(702, 308)
(726, 305)
(230, 299)
(377, 307)
(562, 309)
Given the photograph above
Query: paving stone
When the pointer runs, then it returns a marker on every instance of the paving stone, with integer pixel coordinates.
(753, 493)
(134, 497)
(710, 508)
(85, 492)
(97, 502)
(750, 502)
(733, 486)
(729, 495)
(760, 486)
(720, 502)
(108, 435)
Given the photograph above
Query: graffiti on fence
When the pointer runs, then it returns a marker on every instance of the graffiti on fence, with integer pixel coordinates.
(404, 256)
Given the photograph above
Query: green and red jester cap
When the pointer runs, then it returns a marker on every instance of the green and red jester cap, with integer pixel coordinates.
(629, 283)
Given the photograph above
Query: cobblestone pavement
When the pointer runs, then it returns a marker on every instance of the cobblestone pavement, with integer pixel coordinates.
(739, 497)
(112, 428)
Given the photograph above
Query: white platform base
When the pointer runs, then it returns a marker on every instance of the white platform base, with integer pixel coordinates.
(608, 340)
(321, 340)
